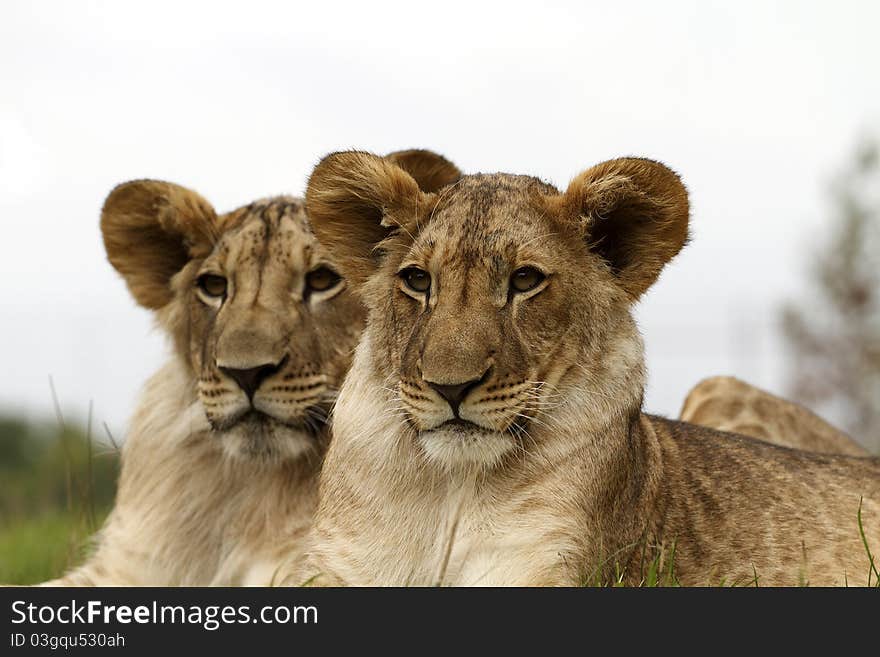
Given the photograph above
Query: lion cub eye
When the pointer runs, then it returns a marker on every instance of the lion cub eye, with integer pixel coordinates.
(212, 285)
(525, 279)
(322, 278)
(417, 280)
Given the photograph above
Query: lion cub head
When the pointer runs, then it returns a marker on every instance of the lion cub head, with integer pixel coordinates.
(256, 307)
(497, 299)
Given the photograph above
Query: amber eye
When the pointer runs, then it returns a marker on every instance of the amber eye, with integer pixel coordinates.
(417, 280)
(525, 279)
(212, 285)
(322, 278)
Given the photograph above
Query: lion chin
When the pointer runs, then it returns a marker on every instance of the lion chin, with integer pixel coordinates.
(257, 437)
(457, 445)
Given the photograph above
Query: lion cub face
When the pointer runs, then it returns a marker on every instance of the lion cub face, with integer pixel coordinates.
(253, 303)
(487, 298)
(481, 297)
(271, 327)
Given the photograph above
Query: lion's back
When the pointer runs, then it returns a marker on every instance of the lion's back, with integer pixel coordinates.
(730, 498)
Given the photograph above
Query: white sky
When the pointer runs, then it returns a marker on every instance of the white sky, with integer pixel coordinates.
(756, 104)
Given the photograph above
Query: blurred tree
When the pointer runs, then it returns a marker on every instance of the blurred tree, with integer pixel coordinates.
(833, 337)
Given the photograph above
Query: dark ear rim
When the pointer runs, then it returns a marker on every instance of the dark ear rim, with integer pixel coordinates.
(151, 229)
(429, 169)
(356, 200)
(635, 215)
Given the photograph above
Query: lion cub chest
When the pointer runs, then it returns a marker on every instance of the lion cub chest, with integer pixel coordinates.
(463, 537)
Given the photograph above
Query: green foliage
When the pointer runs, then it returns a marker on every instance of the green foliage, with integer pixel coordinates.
(37, 549)
(56, 486)
(655, 567)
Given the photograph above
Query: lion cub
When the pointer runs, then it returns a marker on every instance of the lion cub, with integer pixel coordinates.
(490, 429)
(219, 471)
(728, 404)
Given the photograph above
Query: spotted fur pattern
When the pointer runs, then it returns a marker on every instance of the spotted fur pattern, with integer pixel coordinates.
(728, 404)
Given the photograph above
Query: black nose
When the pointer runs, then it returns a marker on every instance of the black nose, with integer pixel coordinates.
(455, 394)
(249, 380)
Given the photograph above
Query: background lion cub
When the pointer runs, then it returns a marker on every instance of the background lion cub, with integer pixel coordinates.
(218, 481)
(728, 404)
(490, 430)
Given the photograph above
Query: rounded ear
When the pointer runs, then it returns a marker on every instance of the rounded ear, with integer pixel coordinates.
(355, 200)
(635, 216)
(430, 170)
(151, 230)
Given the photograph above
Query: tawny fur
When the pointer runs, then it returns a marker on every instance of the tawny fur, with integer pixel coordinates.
(556, 477)
(188, 514)
(728, 404)
(210, 493)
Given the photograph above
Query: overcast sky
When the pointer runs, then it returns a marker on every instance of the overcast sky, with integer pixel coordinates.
(756, 104)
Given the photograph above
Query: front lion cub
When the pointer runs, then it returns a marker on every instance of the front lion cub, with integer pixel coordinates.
(219, 471)
(490, 430)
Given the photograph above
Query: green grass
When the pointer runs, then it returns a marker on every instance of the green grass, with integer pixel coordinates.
(56, 487)
(656, 568)
(33, 550)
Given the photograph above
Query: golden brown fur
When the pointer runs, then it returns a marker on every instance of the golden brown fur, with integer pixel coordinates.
(219, 471)
(728, 404)
(548, 472)
(210, 487)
